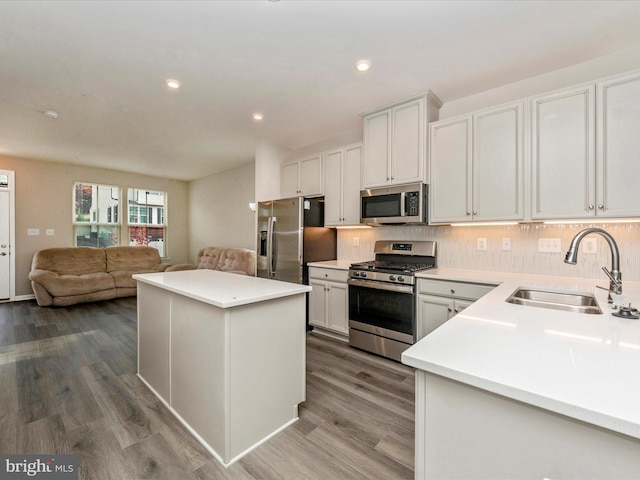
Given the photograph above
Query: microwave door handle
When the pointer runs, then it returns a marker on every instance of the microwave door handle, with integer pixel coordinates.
(403, 206)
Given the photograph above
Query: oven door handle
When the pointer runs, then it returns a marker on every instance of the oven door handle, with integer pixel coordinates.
(380, 286)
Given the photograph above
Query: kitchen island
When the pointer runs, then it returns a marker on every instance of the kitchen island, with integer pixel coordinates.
(515, 391)
(225, 353)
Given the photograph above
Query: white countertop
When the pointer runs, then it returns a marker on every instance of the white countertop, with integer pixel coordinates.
(579, 365)
(335, 264)
(221, 289)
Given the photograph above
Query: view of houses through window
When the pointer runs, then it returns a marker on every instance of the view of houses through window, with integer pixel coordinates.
(147, 211)
(96, 216)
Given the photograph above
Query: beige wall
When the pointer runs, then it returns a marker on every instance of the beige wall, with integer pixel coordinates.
(219, 213)
(44, 201)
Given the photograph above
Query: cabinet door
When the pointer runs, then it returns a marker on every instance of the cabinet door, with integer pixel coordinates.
(338, 307)
(351, 185)
(618, 155)
(317, 303)
(333, 188)
(407, 140)
(450, 196)
(498, 168)
(563, 163)
(460, 305)
(289, 180)
(432, 312)
(377, 149)
(310, 179)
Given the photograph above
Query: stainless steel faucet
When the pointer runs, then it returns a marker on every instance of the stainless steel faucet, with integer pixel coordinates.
(615, 277)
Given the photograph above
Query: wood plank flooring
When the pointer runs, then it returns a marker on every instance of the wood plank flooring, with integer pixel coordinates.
(68, 385)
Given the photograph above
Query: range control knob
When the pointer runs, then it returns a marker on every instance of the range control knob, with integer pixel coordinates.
(401, 278)
(392, 278)
(363, 274)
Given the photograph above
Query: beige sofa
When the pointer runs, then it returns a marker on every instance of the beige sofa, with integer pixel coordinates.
(66, 276)
(232, 260)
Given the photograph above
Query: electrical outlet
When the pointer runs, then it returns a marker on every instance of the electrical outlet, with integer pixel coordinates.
(50, 232)
(590, 246)
(506, 244)
(356, 241)
(482, 243)
(33, 231)
(549, 245)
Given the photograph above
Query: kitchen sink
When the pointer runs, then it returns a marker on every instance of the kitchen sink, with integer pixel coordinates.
(567, 301)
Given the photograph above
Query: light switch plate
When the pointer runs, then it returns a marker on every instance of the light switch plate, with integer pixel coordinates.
(506, 244)
(549, 245)
(50, 232)
(33, 231)
(356, 241)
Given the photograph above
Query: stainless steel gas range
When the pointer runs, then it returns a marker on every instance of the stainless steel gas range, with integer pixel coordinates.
(382, 303)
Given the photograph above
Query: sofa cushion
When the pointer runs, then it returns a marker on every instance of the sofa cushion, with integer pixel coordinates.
(66, 285)
(123, 278)
(236, 260)
(133, 259)
(70, 260)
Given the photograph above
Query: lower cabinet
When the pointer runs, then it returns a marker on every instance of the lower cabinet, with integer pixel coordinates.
(439, 300)
(328, 301)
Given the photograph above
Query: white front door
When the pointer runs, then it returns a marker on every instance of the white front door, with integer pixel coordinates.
(6, 273)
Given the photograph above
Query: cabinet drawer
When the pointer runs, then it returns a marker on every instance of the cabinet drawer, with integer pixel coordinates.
(472, 291)
(330, 274)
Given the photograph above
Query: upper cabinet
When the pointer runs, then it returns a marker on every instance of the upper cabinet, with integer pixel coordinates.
(563, 154)
(477, 166)
(618, 141)
(302, 177)
(342, 186)
(585, 146)
(395, 142)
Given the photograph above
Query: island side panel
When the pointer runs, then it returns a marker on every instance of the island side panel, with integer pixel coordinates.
(153, 338)
(267, 353)
(465, 432)
(198, 369)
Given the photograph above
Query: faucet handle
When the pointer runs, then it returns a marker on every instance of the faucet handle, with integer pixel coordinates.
(615, 280)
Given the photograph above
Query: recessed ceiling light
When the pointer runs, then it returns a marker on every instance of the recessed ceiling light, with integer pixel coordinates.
(363, 65)
(171, 83)
(50, 114)
(258, 116)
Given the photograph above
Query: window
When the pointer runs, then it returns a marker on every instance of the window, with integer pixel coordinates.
(95, 215)
(147, 216)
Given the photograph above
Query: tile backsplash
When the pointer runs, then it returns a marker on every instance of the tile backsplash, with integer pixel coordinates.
(457, 247)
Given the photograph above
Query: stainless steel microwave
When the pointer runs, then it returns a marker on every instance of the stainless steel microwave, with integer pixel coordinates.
(394, 205)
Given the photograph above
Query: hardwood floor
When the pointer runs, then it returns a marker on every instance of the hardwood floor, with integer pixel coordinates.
(68, 385)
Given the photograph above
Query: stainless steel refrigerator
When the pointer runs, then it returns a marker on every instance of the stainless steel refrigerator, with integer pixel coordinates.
(291, 234)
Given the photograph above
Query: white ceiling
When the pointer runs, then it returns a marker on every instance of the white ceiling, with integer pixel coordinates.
(102, 66)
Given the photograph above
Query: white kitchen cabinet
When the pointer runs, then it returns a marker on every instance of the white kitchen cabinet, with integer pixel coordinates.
(439, 300)
(395, 139)
(618, 146)
(585, 146)
(342, 186)
(328, 301)
(303, 177)
(563, 154)
(477, 166)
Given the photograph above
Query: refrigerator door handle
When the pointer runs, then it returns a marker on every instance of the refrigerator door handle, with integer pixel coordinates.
(273, 248)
